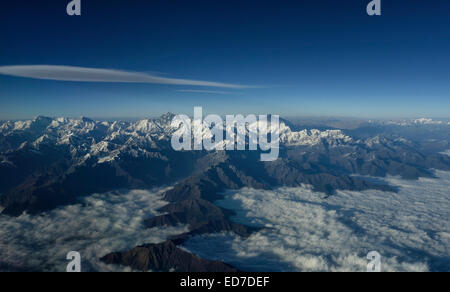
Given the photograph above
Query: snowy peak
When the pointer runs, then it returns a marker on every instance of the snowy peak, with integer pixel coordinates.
(103, 139)
(425, 121)
(312, 137)
(412, 122)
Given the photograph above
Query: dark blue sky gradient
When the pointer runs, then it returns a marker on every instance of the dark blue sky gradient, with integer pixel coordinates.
(312, 58)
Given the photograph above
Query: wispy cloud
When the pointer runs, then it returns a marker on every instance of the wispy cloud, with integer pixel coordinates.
(83, 74)
(205, 91)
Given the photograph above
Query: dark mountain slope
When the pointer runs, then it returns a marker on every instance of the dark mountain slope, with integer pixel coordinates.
(149, 257)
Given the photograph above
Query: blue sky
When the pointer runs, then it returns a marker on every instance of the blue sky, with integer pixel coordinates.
(308, 58)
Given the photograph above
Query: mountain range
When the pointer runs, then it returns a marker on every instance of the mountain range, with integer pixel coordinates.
(46, 163)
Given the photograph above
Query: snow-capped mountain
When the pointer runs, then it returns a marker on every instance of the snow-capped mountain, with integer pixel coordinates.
(412, 122)
(312, 137)
(105, 141)
(47, 162)
(85, 136)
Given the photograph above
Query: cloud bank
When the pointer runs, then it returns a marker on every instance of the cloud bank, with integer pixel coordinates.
(100, 224)
(305, 232)
(82, 74)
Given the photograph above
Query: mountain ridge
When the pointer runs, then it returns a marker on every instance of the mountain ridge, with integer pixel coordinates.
(46, 163)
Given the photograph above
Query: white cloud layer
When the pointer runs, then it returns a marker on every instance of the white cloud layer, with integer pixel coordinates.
(103, 223)
(305, 232)
(82, 74)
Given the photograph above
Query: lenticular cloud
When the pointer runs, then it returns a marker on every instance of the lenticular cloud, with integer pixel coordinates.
(306, 232)
(100, 224)
(83, 74)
